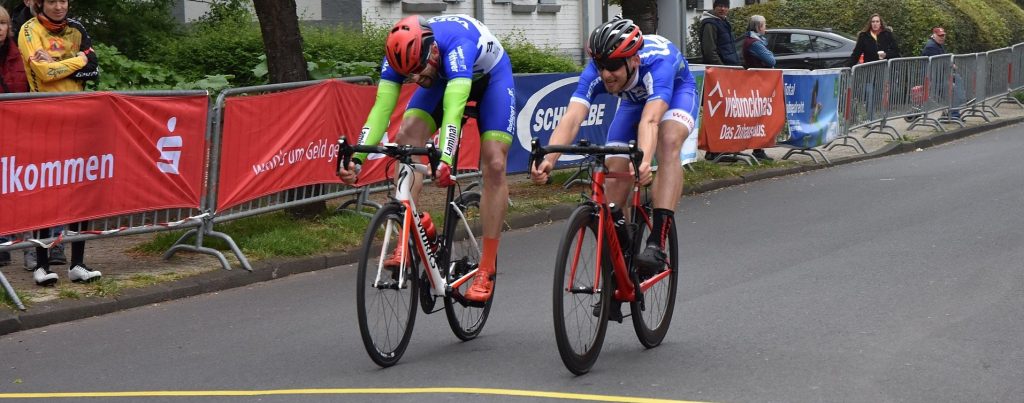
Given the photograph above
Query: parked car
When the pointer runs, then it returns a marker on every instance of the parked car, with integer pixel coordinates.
(798, 48)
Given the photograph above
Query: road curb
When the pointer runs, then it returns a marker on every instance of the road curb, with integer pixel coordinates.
(66, 310)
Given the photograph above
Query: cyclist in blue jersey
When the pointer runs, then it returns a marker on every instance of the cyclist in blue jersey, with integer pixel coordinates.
(454, 59)
(657, 108)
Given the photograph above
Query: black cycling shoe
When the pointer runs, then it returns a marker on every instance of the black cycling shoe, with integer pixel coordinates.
(615, 313)
(650, 261)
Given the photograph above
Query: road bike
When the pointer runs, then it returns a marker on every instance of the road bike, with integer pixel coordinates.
(387, 295)
(595, 272)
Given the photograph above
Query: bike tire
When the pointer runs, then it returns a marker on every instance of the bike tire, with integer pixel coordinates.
(387, 310)
(652, 320)
(580, 333)
(466, 319)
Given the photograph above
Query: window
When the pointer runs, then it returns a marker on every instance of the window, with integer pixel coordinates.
(786, 43)
(822, 44)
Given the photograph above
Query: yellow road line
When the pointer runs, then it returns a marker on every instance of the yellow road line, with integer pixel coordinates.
(342, 391)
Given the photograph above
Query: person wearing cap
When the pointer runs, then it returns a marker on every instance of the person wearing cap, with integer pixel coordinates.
(935, 46)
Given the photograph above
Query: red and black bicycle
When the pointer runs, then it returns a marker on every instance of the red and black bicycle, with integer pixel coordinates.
(594, 270)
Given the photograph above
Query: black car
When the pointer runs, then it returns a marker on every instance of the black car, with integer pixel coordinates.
(797, 48)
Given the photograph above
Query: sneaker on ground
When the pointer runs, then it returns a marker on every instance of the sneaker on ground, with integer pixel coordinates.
(483, 285)
(651, 261)
(44, 277)
(761, 155)
(80, 273)
(30, 259)
(57, 255)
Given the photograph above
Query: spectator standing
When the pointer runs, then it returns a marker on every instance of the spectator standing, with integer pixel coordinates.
(58, 57)
(718, 47)
(716, 41)
(757, 55)
(936, 45)
(19, 14)
(12, 79)
(875, 42)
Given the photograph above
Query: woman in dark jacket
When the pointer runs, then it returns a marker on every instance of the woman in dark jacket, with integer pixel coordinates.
(12, 69)
(875, 42)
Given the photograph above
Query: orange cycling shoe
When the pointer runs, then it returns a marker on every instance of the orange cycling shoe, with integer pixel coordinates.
(483, 286)
(394, 259)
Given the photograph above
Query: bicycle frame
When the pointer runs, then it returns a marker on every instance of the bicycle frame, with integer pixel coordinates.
(626, 289)
(430, 258)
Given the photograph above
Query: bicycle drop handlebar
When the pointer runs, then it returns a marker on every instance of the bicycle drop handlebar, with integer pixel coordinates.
(584, 147)
(402, 153)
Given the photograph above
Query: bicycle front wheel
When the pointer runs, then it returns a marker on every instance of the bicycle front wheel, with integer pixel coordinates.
(581, 293)
(466, 318)
(386, 295)
(652, 318)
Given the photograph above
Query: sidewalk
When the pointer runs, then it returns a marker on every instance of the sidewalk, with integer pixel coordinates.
(192, 274)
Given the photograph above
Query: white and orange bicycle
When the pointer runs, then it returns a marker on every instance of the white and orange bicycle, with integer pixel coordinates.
(399, 240)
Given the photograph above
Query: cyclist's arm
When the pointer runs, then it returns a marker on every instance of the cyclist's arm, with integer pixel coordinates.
(568, 126)
(647, 132)
(380, 116)
(456, 94)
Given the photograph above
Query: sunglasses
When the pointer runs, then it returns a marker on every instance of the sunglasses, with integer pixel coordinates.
(430, 61)
(609, 64)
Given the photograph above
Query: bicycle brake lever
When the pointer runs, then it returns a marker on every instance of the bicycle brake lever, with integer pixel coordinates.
(344, 154)
(433, 158)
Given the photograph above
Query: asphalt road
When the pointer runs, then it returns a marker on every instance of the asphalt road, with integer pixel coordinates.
(894, 279)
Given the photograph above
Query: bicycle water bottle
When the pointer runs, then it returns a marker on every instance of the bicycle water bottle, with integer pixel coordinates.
(621, 228)
(428, 226)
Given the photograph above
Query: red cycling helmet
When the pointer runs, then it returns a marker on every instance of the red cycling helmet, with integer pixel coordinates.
(615, 39)
(408, 45)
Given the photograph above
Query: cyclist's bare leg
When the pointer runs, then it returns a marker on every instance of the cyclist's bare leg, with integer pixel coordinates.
(415, 132)
(493, 203)
(668, 184)
(494, 198)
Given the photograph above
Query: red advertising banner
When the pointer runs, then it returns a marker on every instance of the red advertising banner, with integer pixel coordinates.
(743, 109)
(288, 139)
(97, 155)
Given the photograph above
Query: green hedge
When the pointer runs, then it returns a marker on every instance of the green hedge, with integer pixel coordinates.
(230, 45)
(972, 25)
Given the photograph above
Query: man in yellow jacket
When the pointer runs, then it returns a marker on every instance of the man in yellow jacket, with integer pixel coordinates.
(56, 50)
(58, 57)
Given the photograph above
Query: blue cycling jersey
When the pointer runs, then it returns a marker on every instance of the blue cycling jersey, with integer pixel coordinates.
(467, 48)
(662, 69)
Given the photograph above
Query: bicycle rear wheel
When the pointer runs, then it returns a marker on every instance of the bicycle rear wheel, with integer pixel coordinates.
(652, 319)
(387, 306)
(466, 318)
(581, 293)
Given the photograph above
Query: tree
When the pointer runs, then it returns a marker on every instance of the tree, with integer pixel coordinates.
(279, 24)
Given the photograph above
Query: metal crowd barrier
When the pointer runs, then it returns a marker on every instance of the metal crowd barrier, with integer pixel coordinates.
(1017, 67)
(845, 114)
(944, 88)
(871, 88)
(121, 225)
(1000, 83)
(273, 202)
(975, 73)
